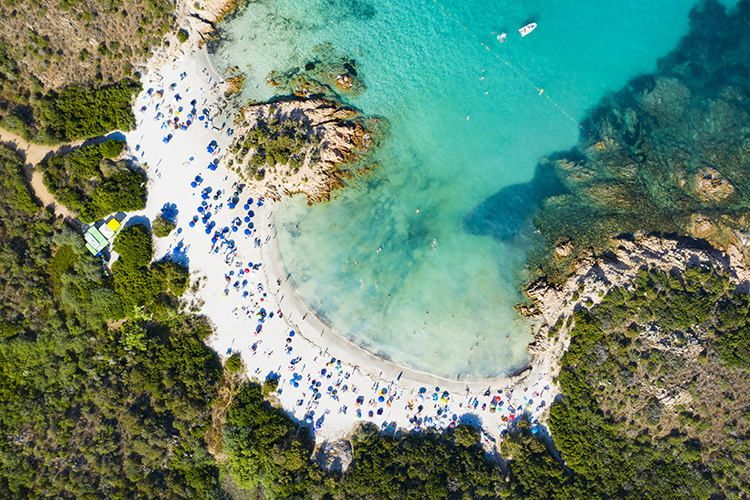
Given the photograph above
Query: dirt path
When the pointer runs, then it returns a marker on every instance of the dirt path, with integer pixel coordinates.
(33, 154)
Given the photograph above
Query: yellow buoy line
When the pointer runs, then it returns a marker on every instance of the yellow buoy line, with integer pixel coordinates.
(520, 75)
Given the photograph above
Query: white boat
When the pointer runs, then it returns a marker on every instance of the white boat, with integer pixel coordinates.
(527, 29)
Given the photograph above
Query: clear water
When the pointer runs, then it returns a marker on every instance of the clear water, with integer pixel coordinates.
(463, 125)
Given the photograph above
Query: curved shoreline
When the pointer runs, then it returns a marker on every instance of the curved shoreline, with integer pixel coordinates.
(365, 386)
(366, 361)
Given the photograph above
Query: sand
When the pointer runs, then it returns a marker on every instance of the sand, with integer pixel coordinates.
(324, 380)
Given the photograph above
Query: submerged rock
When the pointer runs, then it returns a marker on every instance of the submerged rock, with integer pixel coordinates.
(670, 152)
(326, 75)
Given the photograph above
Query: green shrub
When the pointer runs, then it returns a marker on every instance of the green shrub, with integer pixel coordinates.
(134, 246)
(182, 36)
(79, 113)
(11, 167)
(162, 226)
(171, 276)
(111, 148)
(94, 186)
(234, 363)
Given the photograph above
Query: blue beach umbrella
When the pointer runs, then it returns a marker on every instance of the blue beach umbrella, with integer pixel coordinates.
(193, 184)
(208, 231)
(247, 219)
(247, 232)
(234, 229)
(251, 213)
(246, 207)
(250, 225)
(191, 224)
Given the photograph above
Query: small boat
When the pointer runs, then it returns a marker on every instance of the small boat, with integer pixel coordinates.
(527, 29)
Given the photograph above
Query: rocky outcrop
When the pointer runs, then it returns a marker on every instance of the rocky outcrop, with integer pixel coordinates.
(593, 275)
(711, 186)
(300, 146)
(334, 457)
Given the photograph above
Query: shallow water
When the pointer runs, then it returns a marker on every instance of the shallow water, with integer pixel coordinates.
(417, 287)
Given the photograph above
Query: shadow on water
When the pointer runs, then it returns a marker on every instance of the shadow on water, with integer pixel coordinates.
(505, 214)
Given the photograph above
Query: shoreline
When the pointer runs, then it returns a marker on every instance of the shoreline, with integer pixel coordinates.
(326, 382)
(345, 347)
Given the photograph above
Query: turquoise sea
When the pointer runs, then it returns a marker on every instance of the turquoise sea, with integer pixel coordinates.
(390, 261)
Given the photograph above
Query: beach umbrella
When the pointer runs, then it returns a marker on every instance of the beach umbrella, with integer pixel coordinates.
(247, 232)
(234, 229)
(208, 231)
(250, 225)
(191, 224)
(422, 390)
(201, 209)
(193, 184)
(381, 399)
(251, 213)
(247, 219)
(534, 430)
(246, 207)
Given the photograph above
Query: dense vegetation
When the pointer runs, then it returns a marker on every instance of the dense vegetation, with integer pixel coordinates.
(270, 454)
(46, 47)
(656, 387)
(92, 408)
(77, 113)
(89, 183)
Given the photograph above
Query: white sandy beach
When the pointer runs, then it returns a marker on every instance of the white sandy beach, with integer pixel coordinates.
(323, 379)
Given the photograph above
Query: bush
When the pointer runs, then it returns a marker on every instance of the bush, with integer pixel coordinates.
(78, 113)
(94, 186)
(162, 226)
(171, 276)
(182, 36)
(234, 363)
(111, 148)
(133, 244)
